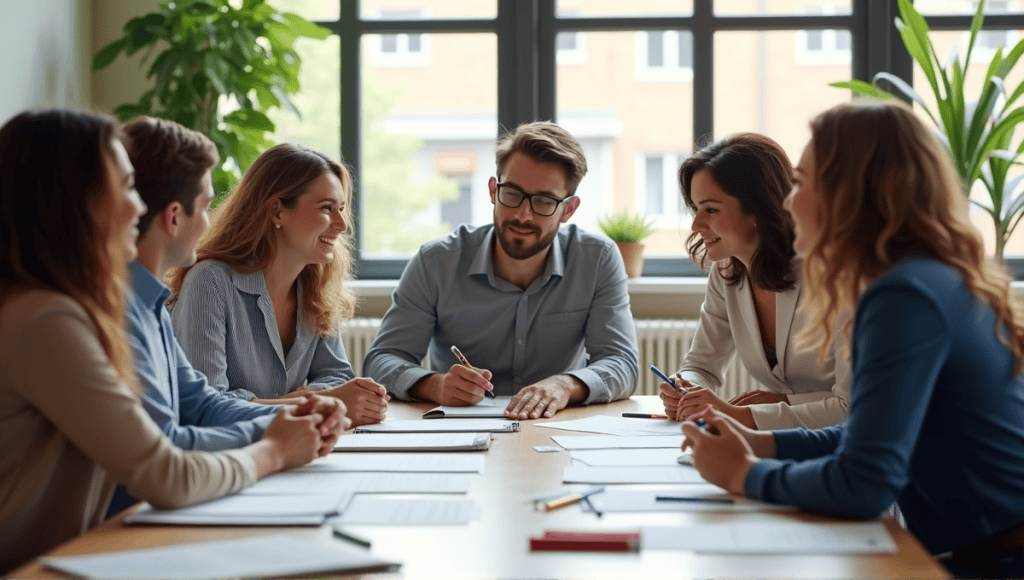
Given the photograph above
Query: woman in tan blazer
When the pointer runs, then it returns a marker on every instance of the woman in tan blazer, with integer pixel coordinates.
(71, 422)
(735, 188)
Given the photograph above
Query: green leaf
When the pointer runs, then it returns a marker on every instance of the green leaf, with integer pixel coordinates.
(200, 8)
(108, 53)
(979, 16)
(129, 111)
(250, 119)
(212, 68)
(306, 28)
(902, 86)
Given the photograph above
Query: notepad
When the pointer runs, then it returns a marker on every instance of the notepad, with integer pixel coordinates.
(392, 462)
(773, 538)
(488, 408)
(260, 556)
(444, 425)
(414, 442)
(250, 510)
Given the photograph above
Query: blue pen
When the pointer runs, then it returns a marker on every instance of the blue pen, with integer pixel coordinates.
(666, 378)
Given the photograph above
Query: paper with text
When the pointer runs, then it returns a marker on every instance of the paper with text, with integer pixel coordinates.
(409, 512)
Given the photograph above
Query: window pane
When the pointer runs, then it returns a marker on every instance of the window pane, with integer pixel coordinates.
(762, 86)
(428, 9)
(655, 188)
(310, 9)
(319, 102)
(685, 49)
(415, 42)
(620, 123)
(928, 7)
(565, 41)
(734, 7)
(389, 43)
(655, 49)
(944, 42)
(425, 131)
(585, 8)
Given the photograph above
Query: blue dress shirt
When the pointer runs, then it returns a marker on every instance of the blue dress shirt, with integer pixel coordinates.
(936, 418)
(226, 325)
(178, 398)
(574, 319)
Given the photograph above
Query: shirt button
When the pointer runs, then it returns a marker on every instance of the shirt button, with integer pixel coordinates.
(520, 342)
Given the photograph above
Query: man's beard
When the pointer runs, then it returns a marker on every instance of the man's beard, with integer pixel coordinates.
(518, 250)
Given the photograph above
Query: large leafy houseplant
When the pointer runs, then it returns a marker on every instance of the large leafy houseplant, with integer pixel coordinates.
(978, 132)
(221, 66)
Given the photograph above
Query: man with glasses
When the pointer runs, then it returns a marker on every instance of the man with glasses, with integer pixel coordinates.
(540, 312)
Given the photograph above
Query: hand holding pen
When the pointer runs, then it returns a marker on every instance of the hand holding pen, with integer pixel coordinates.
(466, 382)
(671, 392)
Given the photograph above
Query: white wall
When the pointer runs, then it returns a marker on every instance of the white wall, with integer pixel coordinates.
(47, 48)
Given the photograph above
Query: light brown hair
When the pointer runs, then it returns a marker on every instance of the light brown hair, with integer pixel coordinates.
(55, 234)
(170, 162)
(757, 172)
(241, 232)
(546, 142)
(886, 189)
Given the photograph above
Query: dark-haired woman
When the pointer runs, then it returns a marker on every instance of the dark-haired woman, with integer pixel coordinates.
(735, 189)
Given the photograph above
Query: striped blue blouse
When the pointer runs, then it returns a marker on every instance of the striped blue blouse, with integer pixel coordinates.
(225, 323)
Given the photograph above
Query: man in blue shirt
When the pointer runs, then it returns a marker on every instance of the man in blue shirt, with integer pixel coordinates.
(540, 312)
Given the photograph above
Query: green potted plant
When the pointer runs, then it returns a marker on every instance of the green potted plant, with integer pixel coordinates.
(628, 231)
(221, 65)
(977, 132)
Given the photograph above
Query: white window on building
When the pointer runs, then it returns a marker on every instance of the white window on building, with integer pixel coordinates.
(403, 49)
(664, 55)
(570, 48)
(822, 47)
(658, 194)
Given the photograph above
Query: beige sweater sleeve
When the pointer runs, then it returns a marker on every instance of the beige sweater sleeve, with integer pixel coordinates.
(66, 375)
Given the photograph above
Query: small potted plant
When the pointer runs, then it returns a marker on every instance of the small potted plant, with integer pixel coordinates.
(628, 231)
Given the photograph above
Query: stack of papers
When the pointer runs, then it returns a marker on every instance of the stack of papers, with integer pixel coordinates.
(409, 512)
(447, 425)
(643, 474)
(262, 556)
(488, 408)
(301, 482)
(621, 426)
(616, 442)
(414, 442)
(629, 457)
(398, 462)
(302, 509)
(774, 538)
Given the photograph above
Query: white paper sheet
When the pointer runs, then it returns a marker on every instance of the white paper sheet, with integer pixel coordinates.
(642, 474)
(392, 462)
(628, 457)
(308, 507)
(616, 442)
(292, 482)
(445, 425)
(621, 426)
(773, 538)
(644, 500)
(261, 556)
(494, 408)
(414, 442)
(409, 512)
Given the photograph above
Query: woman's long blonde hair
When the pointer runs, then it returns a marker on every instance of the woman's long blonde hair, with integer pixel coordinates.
(886, 189)
(55, 229)
(241, 233)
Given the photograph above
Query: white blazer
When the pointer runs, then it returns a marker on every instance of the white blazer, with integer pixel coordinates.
(817, 395)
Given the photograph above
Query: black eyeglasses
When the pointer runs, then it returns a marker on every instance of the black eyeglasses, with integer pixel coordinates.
(543, 205)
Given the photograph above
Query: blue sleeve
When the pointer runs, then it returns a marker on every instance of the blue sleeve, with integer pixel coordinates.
(613, 364)
(901, 344)
(329, 367)
(393, 359)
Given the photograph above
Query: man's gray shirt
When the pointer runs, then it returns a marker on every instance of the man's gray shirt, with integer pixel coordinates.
(574, 319)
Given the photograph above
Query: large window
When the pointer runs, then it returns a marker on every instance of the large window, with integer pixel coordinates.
(426, 86)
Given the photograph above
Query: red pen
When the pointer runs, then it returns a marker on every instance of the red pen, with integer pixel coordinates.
(644, 416)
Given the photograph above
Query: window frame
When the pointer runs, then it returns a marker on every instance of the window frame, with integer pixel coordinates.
(527, 59)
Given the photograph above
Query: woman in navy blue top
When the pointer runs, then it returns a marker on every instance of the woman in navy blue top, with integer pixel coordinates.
(936, 413)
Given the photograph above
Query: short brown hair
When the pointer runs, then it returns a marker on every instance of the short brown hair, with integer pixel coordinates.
(756, 171)
(546, 142)
(170, 161)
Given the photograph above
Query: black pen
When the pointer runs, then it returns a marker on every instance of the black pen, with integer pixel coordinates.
(695, 499)
(644, 416)
(462, 359)
(354, 539)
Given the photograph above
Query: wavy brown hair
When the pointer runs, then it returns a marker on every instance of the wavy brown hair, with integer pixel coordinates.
(886, 190)
(546, 142)
(756, 171)
(241, 232)
(56, 187)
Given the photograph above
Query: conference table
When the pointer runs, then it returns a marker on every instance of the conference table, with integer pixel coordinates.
(497, 545)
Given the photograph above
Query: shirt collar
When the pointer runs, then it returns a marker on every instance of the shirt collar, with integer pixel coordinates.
(251, 283)
(150, 290)
(483, 260)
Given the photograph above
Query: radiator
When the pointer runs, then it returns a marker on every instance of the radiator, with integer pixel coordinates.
(662, 343)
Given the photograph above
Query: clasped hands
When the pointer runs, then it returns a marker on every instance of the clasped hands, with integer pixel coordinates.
(307, 429)
(463, 386)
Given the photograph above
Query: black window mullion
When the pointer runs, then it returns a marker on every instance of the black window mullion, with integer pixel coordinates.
(703, 70)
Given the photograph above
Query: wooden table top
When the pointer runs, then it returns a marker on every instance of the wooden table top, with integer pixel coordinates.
(497, 546)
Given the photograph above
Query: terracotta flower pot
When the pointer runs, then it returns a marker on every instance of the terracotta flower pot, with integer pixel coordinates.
(633, 257)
